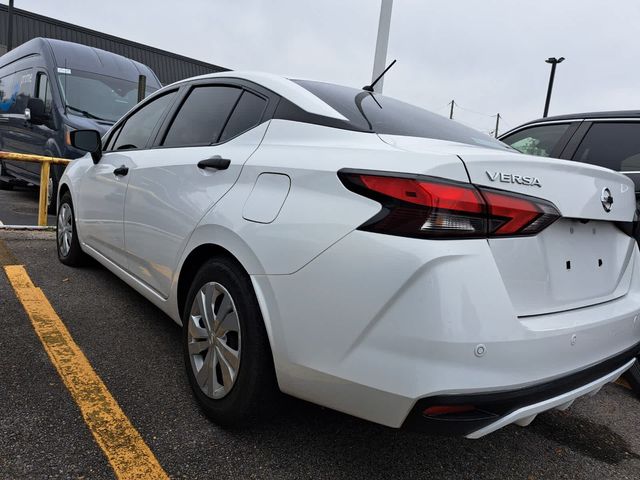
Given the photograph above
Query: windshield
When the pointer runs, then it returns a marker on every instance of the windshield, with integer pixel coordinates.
(384, 115)
(97, 96)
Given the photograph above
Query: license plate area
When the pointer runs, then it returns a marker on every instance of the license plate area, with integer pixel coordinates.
(571, 264)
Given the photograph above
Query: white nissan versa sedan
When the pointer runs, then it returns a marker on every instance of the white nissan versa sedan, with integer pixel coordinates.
(358, 252)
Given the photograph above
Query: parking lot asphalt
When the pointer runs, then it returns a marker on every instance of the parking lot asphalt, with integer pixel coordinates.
(135, 350)
(20, 207)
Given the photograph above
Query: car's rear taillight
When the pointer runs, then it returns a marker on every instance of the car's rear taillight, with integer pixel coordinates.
(429, 207)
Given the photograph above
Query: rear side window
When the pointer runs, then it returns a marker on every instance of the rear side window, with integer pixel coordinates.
(247, 114)
(137, 129)
(202, 116)
(612, 145)
(7, 93)
(540, 140)
(15, 90)
(24, 89)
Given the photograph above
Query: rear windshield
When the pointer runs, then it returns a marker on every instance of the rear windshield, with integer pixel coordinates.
(384, 115)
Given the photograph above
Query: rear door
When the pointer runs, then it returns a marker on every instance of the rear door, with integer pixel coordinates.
(168, 193)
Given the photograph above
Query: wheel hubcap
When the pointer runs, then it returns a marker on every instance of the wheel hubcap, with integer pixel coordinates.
(49, 191)
(65, 229)
(214, 336)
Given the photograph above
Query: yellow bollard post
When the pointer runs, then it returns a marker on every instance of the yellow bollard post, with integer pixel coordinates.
(44, 186)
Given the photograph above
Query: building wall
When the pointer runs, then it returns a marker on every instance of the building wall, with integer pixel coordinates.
(169, 67)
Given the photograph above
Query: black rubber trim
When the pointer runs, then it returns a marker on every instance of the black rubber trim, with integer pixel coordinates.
(490, 407)
(288, 110)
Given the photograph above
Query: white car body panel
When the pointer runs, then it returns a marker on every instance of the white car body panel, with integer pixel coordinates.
(368, 323)
(157, 222)
(99, 217)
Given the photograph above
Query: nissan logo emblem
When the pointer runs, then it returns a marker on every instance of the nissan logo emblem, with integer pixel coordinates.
(606, 199)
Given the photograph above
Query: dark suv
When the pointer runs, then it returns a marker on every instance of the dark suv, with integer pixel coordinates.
(608, 139)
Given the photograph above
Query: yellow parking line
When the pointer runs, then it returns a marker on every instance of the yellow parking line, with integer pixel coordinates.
(125, 449)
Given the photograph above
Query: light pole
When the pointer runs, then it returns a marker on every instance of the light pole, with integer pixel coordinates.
(553, 61)
(380, 57)
(10, 26)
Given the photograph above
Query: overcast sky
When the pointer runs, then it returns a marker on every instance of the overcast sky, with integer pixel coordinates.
(487, 55)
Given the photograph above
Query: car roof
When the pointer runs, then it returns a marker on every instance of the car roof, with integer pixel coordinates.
(609, 115)
(588, 115)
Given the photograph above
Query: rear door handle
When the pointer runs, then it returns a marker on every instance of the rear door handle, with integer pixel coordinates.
(216, 162)
(121, 171)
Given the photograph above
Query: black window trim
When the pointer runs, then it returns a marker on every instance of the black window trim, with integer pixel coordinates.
(271, 98)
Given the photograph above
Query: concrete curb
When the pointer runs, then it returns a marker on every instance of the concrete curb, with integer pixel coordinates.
(27, 228)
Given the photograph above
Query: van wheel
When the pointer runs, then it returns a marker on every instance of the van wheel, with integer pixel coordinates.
(633, 377)
(68, 246)
(226, 349)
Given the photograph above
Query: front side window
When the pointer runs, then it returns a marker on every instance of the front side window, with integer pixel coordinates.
(202, 116)
(137, 129)
(540, 140)
(612, 145)
(97, 96)
(43, 91)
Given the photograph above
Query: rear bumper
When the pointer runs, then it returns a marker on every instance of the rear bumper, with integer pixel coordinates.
(377, 324)
(495, 410)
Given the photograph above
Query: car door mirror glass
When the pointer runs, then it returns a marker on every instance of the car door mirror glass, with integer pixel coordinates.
(88, 141)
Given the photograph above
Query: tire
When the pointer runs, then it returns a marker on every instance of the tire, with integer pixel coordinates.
(65, 227)
(633, 377)
(228, 400)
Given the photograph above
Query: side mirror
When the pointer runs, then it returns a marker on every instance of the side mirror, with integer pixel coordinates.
(89, 141)
(35, 112)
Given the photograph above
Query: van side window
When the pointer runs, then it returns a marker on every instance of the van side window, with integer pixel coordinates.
(137, 129)
(23, 88)
(7, 96)
(43, 91)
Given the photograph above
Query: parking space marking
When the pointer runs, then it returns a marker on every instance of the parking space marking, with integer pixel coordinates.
(127, 452)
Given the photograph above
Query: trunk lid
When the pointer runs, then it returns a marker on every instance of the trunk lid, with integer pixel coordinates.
(584, 258)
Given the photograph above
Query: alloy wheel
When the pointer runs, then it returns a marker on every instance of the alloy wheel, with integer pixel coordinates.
(65, 229)
(214, 339)
(49, 191)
